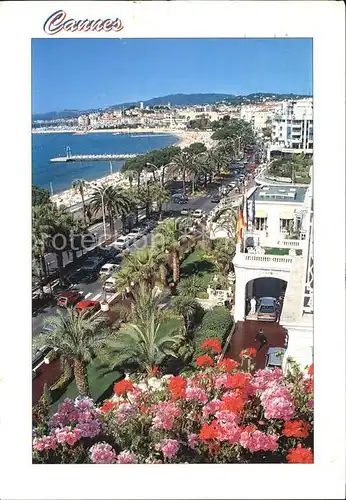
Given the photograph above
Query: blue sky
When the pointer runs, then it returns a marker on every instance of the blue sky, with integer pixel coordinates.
(92, 73)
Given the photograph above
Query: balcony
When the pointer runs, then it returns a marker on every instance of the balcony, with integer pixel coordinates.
(270, 262)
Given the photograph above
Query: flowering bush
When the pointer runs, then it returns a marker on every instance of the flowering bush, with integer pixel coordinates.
(219, 414)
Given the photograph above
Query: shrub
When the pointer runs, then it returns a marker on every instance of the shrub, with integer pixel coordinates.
(191, 286)
(216, 324)
(203, 295)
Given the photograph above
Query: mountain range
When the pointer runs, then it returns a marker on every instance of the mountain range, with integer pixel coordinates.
(175, 100)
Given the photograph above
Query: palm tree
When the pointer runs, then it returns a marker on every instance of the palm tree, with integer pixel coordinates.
(169, 237)
(79, 185)
(77, 339)
(180, 165)
(226, 220)
(160, 195)
(145, 345)
(191, 286)
(190, 312)
(224, 251)
(116, 201)
(142, 266)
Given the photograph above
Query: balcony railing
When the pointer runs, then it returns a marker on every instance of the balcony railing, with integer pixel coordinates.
(264, 261)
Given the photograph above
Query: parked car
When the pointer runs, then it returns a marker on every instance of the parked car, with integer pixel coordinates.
(108, 269)
(122, 242)
(198, 213)
(137, 231)
(91, 264)
(68, 298)
(274, 358)
(215, 199)
(185, 211)
(267, 310)
(40, 354)
(133, 236)
(109, 285)
(87, 306)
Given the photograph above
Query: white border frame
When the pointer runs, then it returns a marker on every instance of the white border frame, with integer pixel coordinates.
(325, 22)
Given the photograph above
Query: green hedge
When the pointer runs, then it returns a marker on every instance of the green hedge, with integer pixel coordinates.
(216, 323)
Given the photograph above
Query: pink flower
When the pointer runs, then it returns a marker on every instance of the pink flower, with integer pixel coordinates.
(45, 443)
(126, 412)
(169, 447)
(263, 379)
(102, 453)
(67, 435)
(196, 393)
(227, 417)
(83, 403)
(256, 441)
(229, 432)
(221, 380)
(277, 403)
(192, 440)
(90, 429)
(211, 408)
(165, 413)
(126, 457)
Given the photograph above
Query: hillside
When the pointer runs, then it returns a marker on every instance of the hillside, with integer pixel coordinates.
(175, 100)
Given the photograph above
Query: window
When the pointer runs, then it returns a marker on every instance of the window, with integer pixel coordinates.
(285, 225)
(261, 223)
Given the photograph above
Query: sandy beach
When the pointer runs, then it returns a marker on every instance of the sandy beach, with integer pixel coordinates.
(69, 198)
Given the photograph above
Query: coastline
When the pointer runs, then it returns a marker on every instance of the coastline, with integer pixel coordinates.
(185, 138)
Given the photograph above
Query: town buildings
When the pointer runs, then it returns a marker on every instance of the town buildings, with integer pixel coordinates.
(292, 125)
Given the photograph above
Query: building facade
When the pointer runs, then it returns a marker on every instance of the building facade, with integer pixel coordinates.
(292, 125)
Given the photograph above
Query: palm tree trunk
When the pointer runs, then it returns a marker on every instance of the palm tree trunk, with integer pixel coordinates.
(43, 266)
(193, 185)
(160, 211)
(163, 274)
(184, 182)
(163, 176)
(138, 181)
(81, 377)
(123, 222)
(205, 180)
(176, 266)
(60, 263)
(83, 205)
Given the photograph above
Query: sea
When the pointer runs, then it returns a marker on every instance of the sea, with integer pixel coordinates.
(59, 176)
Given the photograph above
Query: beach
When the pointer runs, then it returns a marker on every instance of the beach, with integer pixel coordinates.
(69, 197)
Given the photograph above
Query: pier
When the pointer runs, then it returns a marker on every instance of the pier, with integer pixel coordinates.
(69, 157)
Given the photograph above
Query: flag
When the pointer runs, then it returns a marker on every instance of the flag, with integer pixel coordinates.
(246, 211)
(240, 224)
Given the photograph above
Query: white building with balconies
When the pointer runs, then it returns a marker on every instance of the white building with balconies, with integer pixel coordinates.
(292, 125)
(276, 259)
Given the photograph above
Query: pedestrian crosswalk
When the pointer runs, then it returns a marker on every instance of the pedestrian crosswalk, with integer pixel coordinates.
(90, 295)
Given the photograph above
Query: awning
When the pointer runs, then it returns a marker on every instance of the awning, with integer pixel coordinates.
(286, 215)
(261, 213)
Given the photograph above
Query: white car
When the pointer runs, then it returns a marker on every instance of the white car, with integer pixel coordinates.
(198, 213)
(133, 236)
(275, 356)
(107, 269)
(122, 242)
(138, 232)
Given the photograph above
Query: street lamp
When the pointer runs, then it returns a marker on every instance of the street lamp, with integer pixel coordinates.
(102, 193)
(157, 168)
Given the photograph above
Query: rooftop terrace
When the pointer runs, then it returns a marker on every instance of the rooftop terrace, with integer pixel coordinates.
(281, 193)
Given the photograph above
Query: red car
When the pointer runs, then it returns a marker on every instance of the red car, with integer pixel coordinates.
(88, 306)
(66, 299)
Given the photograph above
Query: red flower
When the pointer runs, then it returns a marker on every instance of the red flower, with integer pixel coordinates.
(311, 370)
(309, 385)
(296, 428)
(204, 360)
(250, 352)
(232, 403)
(154, 371)
(108, 406)
(123, 387)
(209, 431)
(238, 380)
(299, 455)
(227, 364)
(213, 344)
(176, 386)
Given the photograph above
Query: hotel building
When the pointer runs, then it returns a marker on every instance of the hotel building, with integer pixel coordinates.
(292, 125)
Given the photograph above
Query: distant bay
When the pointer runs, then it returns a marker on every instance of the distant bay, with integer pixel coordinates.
(61, 175)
